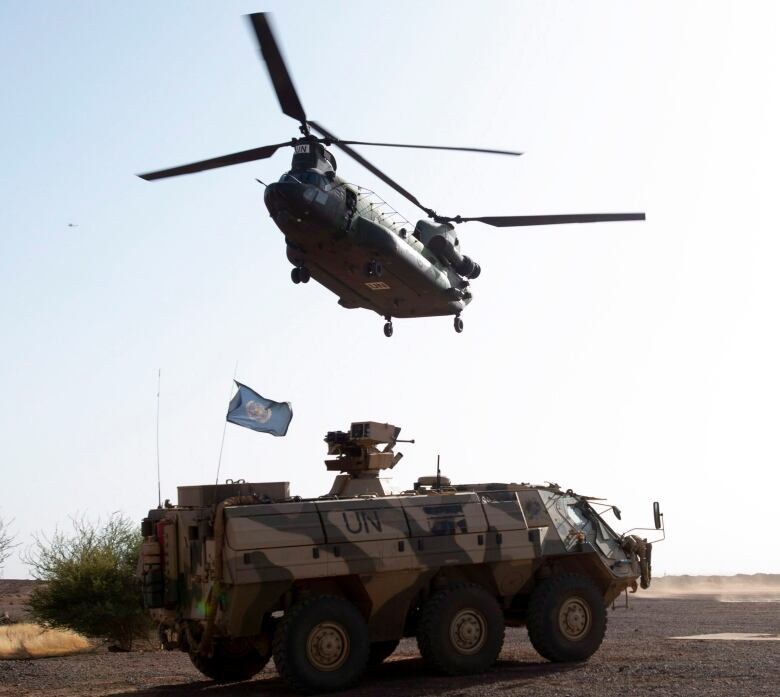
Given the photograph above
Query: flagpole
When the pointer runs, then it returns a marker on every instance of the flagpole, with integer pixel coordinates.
(224, 427)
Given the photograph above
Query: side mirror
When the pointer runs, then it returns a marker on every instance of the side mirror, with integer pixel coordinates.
(616, 511)
(657, 515)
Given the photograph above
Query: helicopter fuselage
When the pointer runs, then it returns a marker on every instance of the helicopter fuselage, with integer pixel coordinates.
(340, 235)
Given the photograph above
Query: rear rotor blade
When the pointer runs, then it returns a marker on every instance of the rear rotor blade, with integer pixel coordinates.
(374, 170)
(280, 76)
(222, 161)
(522, 220)
(430, 147)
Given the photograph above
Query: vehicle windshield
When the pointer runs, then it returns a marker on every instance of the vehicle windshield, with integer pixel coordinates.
(575, 515)
(574, 518)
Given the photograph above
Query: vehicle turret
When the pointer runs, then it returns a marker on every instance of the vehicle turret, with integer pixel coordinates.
(359, 458)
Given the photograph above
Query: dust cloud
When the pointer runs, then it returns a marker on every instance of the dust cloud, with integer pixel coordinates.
(742, 588)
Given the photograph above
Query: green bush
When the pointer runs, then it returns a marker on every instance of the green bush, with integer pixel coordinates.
(90, 584)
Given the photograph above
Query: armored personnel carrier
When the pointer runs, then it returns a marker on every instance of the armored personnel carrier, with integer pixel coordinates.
(239, 572)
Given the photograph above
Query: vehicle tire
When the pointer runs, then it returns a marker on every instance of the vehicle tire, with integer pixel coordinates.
(231, 661)
(567, 618)
(461, 630)
(380, 650)
(304, 274)
(295, 275)
(321, 645)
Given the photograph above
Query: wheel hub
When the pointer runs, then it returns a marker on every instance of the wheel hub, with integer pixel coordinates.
(468, 631)
(327, 646)
(574, 618)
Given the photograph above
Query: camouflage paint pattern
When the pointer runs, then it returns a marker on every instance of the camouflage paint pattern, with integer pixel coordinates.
(385, 553)
(385, 550)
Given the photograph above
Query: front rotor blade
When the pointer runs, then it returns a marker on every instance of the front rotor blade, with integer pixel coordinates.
(363, 161)
(431, 147)
(520, 220)
(280, 76)
(223, 161)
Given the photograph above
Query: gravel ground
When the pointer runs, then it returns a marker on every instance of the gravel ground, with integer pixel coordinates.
(638, 657)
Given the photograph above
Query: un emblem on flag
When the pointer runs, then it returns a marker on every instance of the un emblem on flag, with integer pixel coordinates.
(257, 412)
(252, 410)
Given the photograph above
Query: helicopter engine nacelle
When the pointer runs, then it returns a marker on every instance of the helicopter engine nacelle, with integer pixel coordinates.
(443, 248)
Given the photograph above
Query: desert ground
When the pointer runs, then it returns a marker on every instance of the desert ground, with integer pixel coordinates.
(640, 655)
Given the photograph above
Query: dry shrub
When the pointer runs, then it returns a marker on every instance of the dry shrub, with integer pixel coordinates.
(6, 542)
(90, 582)
(33, 641)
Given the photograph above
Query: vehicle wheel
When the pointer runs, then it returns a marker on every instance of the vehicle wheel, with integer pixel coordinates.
(380, 650)
(295, 274)
(567, 618)
(461, 630)
(321, 645)
(304, 274)
(388, 329)
(458, 323)
(231, 661)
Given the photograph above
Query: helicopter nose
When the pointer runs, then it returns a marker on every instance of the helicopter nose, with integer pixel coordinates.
(283, 197)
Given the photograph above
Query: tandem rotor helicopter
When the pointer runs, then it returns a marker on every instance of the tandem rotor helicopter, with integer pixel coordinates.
(347, 238)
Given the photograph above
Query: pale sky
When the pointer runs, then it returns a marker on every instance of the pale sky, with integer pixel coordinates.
(633, 361)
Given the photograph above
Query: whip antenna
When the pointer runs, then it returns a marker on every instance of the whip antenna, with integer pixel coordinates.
(438, 471)
(159, 494)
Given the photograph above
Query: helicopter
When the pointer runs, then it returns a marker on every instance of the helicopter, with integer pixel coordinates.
(349, 239)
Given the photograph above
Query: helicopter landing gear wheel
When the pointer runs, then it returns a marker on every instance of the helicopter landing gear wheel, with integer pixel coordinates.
(374, 269)
(458, 324)
(388, 329)
(300, 274)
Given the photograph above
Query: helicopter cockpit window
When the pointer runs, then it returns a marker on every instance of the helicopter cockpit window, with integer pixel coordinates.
(310, 177)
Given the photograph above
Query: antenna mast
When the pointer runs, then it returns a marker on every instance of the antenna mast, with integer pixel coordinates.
(159, 493)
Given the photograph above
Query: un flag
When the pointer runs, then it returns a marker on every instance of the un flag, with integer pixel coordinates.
(249, 409)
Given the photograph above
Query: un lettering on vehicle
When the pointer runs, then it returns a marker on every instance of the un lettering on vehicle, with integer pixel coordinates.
(362, 521)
